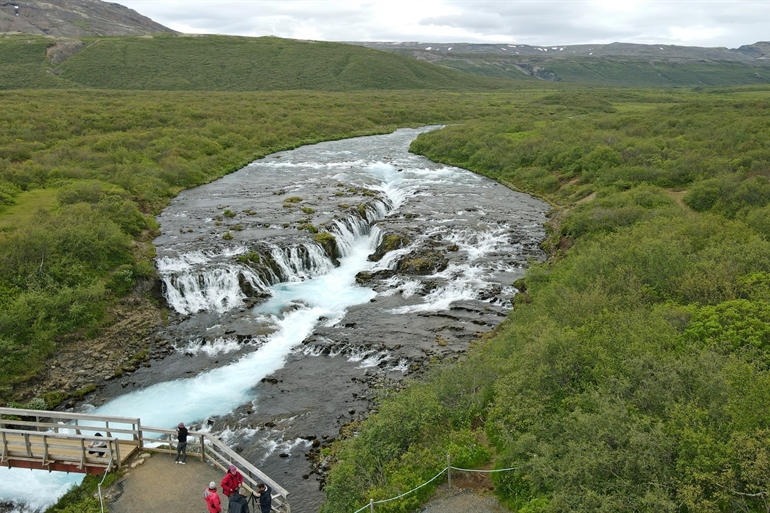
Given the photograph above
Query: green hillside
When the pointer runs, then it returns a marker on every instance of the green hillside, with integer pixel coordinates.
(23, 64)
(634, 371)
(606, 70)
(223, 63)
(643, 73)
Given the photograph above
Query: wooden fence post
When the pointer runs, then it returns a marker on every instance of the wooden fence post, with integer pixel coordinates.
(449, 470)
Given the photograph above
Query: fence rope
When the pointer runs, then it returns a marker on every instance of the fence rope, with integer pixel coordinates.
(488, 471)
(99, 486)
(403, 494)
(430, 481)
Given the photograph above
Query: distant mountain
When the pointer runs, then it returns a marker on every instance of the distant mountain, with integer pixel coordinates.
(747, 53)
(610, 64)
(74, 18)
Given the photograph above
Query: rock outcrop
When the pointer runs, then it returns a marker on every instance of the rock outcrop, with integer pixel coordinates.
(74, 18)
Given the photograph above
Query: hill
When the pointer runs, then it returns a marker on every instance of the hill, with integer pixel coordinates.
(614, 64)
(218, 63)
(74, 18)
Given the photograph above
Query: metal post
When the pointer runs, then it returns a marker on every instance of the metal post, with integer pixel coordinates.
(139, 434)
(203, 449)
(117, 453)
(449, 470)
(371, 505)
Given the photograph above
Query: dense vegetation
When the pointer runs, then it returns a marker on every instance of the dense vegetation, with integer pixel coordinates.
(221, 63)
(638, 377)
(82, 175)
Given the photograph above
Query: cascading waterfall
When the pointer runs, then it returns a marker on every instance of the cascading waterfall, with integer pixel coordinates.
(300, 262)
(202, 282)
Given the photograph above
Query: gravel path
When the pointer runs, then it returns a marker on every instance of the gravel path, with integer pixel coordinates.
(157, 484)
(463, 500)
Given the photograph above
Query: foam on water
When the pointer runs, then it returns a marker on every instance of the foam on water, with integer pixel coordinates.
(34, 490)
(221, 390)
(220, 345)
(463, 283)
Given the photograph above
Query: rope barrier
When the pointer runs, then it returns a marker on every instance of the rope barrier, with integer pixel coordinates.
(99, 486)
(372, 503)
(488, 471)
(403, 494)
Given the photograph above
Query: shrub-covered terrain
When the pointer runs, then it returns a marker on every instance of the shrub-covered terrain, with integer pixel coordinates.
(633, 375)
(219, 63)
(637, 376)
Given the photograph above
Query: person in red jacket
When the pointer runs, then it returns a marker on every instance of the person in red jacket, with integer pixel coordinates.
(211, 497)
(232, 480)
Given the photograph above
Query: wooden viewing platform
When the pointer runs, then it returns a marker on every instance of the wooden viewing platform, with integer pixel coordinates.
(67, 453)
(57, 441)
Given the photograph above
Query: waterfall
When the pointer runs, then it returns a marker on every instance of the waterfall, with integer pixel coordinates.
(214, 282)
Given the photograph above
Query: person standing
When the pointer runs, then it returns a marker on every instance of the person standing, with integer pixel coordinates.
(238, 502)
(211, 497)
(181, 444)
(232, 480)
(265, 498)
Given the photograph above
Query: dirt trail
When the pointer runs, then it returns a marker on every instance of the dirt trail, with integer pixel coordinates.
(470, 492)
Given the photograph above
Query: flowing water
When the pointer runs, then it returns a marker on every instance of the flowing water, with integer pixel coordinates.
(282, 335)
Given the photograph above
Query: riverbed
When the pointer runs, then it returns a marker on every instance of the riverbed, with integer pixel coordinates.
(302, 284)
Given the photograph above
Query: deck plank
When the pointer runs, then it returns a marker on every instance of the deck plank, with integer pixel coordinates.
(61, 451)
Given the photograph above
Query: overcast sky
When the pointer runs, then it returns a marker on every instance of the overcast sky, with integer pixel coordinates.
(540, 22)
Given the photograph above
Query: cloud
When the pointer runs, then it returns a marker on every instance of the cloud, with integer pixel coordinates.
(540, 22)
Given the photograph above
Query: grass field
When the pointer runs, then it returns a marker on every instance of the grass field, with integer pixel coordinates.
(26, 206)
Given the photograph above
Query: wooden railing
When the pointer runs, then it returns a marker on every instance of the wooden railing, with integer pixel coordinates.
(60, 441)
(66, 441)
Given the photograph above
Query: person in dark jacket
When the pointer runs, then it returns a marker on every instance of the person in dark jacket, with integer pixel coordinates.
(181, 444)
(94, 444)
(265, 499)
(238, 502)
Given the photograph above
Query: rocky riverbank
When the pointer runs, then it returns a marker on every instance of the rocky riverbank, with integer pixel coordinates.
(82, 364)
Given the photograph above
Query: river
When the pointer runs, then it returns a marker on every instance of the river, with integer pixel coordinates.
(284, 334)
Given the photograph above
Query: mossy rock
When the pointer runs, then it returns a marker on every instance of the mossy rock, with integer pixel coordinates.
(364, 277)
(329, 244)
(388, 243)
(423, 262)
